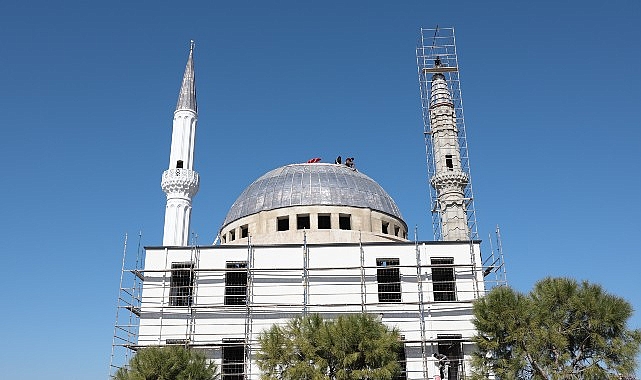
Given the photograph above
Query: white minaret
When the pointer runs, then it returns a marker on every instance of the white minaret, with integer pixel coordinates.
(180, 182)
(448, 180)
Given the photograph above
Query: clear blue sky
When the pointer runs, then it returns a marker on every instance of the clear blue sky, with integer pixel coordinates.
(552, 95)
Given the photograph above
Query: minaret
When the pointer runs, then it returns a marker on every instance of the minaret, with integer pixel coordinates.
(180, 182)
(449, 179)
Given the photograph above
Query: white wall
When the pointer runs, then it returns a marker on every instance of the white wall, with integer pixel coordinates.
(334, 277)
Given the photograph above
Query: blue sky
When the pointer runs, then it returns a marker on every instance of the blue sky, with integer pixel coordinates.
(551, 93)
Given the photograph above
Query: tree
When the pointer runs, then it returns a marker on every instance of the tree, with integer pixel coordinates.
(357, 346)
(560, 330)
(168, 363)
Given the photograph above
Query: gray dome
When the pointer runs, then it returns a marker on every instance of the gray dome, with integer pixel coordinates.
(311, 184)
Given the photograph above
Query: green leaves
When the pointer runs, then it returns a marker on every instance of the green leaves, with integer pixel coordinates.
(560, 330)
(355, 346)
(168, 363)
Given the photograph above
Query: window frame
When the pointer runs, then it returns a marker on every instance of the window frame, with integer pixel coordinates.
(443, 279)
(181, 291)
(282, 221)
(236, 292)
(326, 223)
(303, 222)
(229, 359)
(388, 278)
(341, 222)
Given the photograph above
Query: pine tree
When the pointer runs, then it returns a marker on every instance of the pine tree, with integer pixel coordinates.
(355, 346)
(168, 363)
(560, 330)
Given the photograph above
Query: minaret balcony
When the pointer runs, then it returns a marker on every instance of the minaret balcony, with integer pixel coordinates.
(180, 181)
(447, 179)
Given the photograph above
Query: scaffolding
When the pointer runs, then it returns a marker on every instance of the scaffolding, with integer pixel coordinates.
(128, 308)
(206, 319)
(439, 45)
(494, 270)
(249, 299)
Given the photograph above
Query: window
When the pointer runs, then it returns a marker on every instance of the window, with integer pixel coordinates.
(450, 346)
(232, 235)
(181, 342)
(179, 164)
(448, 162)
(397, 229)
(443, 280)
(388, 276)
(244, 231)
(324, 222)
(302, 222)
(385, 228)
(402, 361)
(236, 283)
(344, 222)
(233, 365)
(283, 223)
(181, 284)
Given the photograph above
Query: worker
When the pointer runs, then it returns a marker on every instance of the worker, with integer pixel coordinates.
(443, 363)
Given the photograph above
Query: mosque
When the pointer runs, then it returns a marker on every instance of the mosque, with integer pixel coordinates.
(312, 238)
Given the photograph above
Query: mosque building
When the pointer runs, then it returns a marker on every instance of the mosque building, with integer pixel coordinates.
(314, 238)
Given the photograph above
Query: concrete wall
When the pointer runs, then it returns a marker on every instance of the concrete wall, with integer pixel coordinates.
(366, 226)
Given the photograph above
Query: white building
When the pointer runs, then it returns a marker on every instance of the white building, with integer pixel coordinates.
(310, 238)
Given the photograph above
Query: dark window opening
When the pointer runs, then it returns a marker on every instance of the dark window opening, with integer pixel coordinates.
(236, 283)
(448, 162)
(402, 361)
(443, 280)
(181, 342)
(232, 235)
(397, 229)
(224, 239)
(283, 223)
(324, 222)
(179, 164)
(450, 346)
(181, 284)
(385, 228)
(344, 222)
(244, 231)
(233, 365)
(302, 222)
(388, 276)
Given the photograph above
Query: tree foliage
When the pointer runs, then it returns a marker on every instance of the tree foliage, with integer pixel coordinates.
(168, 363)
(355, 346)
(560, 330)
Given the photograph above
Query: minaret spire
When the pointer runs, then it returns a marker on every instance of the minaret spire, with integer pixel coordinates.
(180, 182)
(187, 97)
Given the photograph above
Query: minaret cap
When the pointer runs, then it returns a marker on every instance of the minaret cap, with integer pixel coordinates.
(187, 96)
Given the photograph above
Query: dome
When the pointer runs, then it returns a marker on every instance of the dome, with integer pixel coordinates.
(312, 184)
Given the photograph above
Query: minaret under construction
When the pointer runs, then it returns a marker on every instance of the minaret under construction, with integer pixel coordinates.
(180, 182)
(448, 180)
(452, 206)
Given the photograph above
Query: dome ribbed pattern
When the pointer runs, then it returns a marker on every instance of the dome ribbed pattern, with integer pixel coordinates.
(308, 185)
